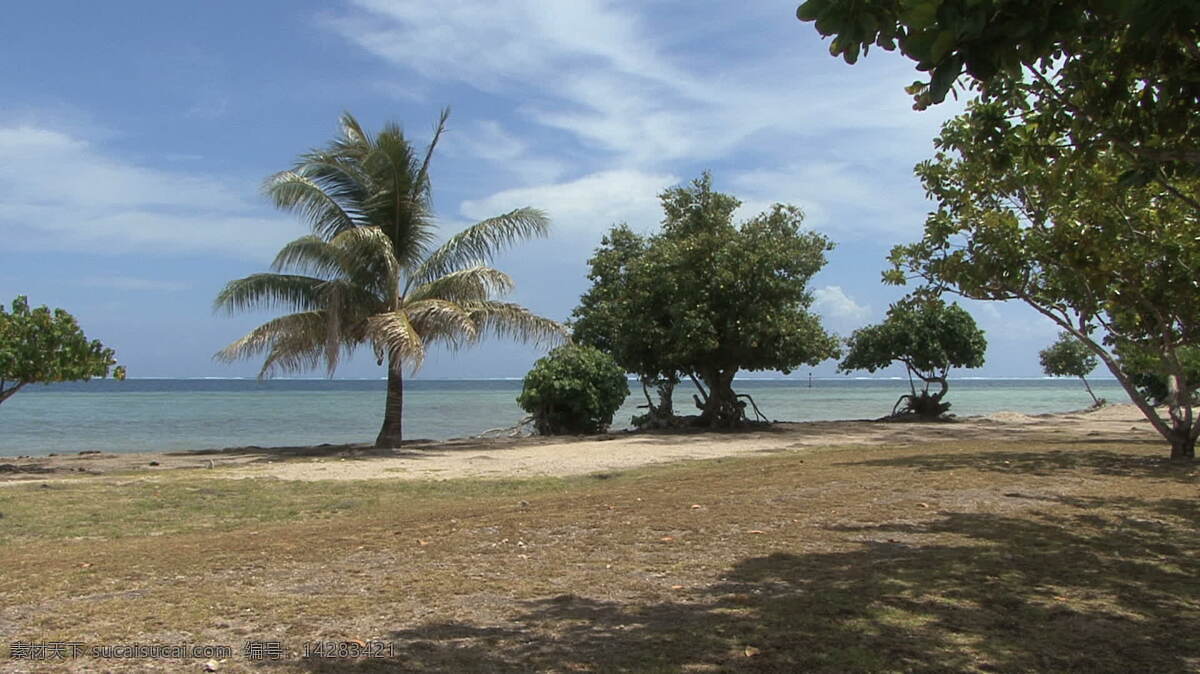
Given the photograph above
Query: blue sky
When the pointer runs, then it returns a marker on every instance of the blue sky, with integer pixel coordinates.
(134, 137)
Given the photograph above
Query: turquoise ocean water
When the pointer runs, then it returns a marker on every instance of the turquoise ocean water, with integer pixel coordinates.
(139, 415)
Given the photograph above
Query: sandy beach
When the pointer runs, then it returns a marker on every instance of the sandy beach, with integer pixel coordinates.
(531, 457)
(825, 546)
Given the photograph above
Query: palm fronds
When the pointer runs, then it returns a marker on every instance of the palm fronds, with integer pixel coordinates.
(474, 284)
(479, 243)
(423, 174)
(365, 257)
(442, 321)
(367, 200)
(292, 343)
(400, 204)
(505, 319)
(325, 205)
(353, 136)
(270, 291)
(393, 334)
(309, 255)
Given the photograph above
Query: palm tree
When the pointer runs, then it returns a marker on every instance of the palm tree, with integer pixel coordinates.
(371, 272)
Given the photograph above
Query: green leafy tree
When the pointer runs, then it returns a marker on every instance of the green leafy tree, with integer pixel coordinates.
(1073, 184)
(929, 337)
(1114, 267)
(40, 346)
(372, 272)
(710, 298)
(575, 389)
(627, 322)
(1108, 74)
(1069, 357)
(1146, 372)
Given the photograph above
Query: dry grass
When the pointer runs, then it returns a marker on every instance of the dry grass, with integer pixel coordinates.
(949, 557)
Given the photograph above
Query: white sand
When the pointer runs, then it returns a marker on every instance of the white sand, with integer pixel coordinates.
(465, 459)
(472, 458)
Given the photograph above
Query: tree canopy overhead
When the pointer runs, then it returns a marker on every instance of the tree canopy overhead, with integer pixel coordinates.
(1073, 183)
(705, 297)
(40, 346)
(1116, 267)
(372, 271)
(1148, 375)
(1104, 73)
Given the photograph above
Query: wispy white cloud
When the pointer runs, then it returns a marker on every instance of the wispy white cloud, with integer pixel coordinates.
(489, 45)
(632, 91)
(848, 199)
(490, 141)
(1012, 321)
(59, 192)
(841, 313)
(586, 206)
(586, 67)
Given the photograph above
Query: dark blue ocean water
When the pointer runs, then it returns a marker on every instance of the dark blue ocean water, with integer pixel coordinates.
(140, 415)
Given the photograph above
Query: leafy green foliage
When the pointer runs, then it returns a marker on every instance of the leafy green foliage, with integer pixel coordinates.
(1116, 267)
(706, 298)
(575, 389)
(1149, 374)
(985, 40)
(1074, 183)
(993, 42)
(614, 316)
(371, 272)
(1109, 75)
(929, 337)
(44, 346)
(620, 319)
(1067, 357)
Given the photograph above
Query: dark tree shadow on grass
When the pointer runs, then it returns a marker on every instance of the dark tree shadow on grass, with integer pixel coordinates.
(1047, 462)
(1103, 585)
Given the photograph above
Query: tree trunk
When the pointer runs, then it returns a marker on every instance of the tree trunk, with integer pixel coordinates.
(666, 406)
(6, 393)
(945, 384)
(662, 414)
(721, 409)
(1183, 422)
(665, 388)
(1183, 448)
(925, 405)
(393, 408)
(1095, 400)
(1182, 445)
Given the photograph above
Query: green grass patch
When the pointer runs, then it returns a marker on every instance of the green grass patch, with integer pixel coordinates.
(108, 509)
(956, 557)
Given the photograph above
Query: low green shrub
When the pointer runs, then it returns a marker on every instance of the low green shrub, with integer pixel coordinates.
(574, 389)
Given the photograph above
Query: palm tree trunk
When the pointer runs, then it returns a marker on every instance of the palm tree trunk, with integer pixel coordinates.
(393, 408)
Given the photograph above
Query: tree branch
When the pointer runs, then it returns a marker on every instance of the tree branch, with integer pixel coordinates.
(1138, 399)
(6, 394)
